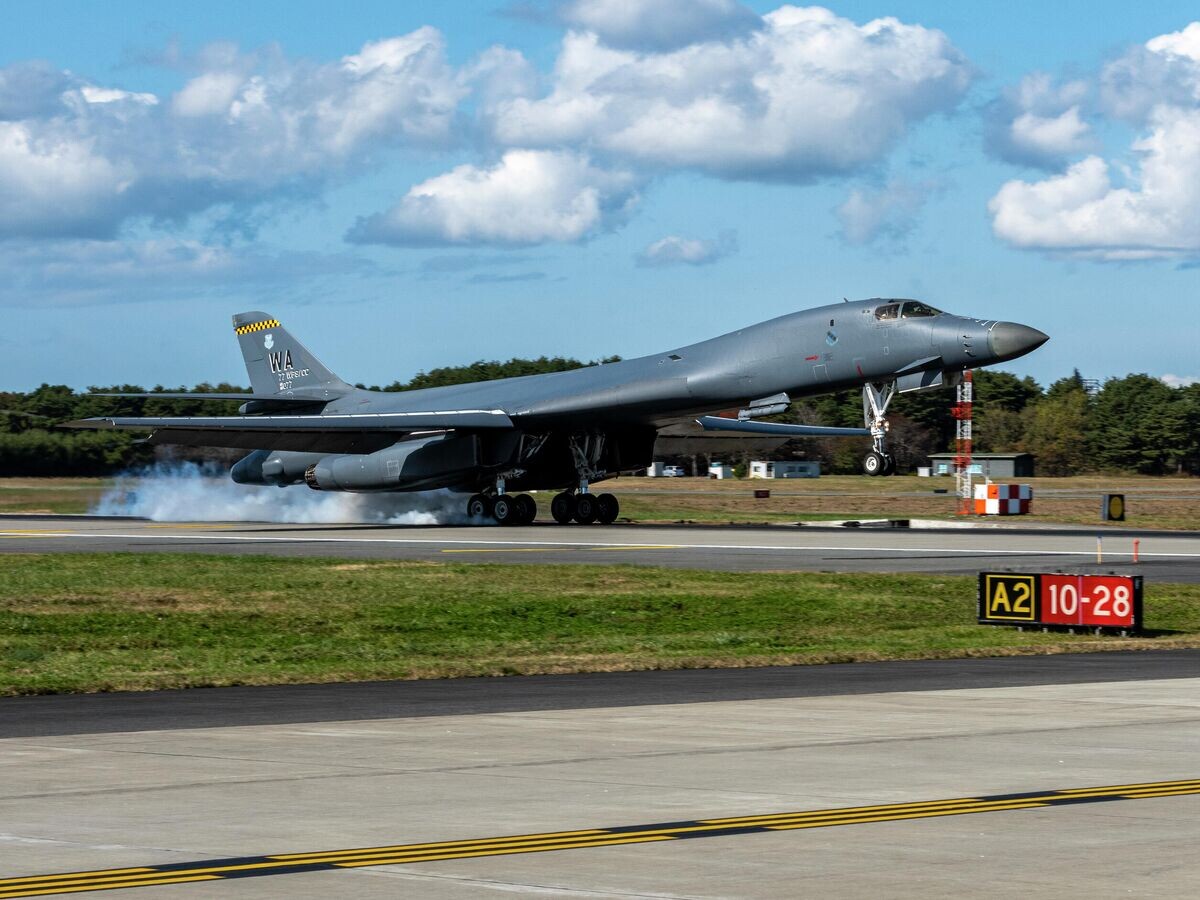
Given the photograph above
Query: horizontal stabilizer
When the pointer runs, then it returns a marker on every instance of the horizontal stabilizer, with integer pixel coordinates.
(717, 423)
(348, 433)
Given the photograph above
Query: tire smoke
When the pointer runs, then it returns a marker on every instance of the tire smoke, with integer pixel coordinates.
(187, 492)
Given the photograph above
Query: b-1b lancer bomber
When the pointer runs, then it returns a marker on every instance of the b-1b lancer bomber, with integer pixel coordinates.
(569, 430)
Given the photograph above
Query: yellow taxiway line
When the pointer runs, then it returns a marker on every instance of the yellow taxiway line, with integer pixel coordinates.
(395, 854)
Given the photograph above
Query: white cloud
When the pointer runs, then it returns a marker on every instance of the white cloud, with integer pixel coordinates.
(1177, 381)
(31, 89)
(210, 94)
(1163, 71)
(1039, 123)
(528, 197)
(1082, 212)
(1147, 210)
(80, 160)
(52, 181)
(1184, 43)
(807, 94)
(659, 24)
(1059, 135)
(674, 250)
(891, 211)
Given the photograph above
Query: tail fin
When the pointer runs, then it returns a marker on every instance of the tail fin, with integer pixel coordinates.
(277, 363)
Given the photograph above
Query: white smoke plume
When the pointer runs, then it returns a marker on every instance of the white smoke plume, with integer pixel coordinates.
(187, 492)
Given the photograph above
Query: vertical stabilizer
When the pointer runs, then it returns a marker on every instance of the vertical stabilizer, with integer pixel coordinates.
(277, 363)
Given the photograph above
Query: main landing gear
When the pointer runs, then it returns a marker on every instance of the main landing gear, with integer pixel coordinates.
(581, 506)
(567, 507)
(506, 509)
(575, 505)
(876, 399)
(584, 508)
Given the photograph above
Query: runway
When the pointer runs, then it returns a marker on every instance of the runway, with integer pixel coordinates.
(1162, 555)
(1054, 776)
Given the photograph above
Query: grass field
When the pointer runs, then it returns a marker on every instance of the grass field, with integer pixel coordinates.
(94, 622)
(50, 495)
(1152, 502)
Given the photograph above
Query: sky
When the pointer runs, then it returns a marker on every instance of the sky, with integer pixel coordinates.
(408, 186)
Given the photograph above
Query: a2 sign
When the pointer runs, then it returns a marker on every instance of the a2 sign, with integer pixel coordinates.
(1084, 601)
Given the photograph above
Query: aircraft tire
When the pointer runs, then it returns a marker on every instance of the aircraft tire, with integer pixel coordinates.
(607, 509)
(873, 464)
(506, 510)
(586, 509)
(889, 464)
(479, 507)
(528, 508)
(562, 508)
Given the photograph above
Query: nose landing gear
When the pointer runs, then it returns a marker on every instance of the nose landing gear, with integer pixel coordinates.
(876, 399)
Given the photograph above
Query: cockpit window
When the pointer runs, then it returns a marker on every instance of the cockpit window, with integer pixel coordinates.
(914, 310)
(888, 311)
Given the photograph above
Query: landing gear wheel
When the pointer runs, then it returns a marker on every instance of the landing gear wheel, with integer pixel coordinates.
(586, 509)
(528, 508)
(607, 509)
(562, 508)
(889, 464)
(479, 507)
(506, 510)
(874, 463)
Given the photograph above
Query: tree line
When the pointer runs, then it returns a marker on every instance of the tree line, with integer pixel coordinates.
(1134, 424)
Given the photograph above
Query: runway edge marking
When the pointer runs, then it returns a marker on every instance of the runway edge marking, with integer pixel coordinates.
(196, 538)
(396, 854)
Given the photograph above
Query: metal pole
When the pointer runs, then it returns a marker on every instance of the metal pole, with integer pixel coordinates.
(963, 441)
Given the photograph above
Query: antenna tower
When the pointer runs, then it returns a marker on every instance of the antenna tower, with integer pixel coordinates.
(962, 445)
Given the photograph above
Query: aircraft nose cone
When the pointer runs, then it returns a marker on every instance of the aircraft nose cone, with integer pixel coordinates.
(1009, 340)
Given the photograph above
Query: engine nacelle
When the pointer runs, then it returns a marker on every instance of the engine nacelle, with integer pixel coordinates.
(278, 467)
(436, 461)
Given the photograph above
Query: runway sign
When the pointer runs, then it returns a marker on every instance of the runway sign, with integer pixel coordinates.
(1061, 600)
(1112, 508)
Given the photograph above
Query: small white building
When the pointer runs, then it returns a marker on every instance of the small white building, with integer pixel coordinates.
(792, 468)
(720, 470)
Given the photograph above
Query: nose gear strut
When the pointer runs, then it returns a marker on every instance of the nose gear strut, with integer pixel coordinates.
(876, 399)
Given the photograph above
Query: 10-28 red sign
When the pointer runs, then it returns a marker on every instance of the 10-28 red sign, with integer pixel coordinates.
(1098, 601)
(1087, 601)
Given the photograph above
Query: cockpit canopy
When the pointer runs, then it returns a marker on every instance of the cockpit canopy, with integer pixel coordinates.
(905, 309)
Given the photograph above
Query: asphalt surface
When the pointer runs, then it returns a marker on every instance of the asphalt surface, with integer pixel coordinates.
(1163, 555)
(1074, 775)
(1044, 777)
(284, 704)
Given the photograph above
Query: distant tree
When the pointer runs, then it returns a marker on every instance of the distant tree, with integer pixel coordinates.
(491, 370)
(999, 430)
(1073, 382)
(1189, 399)
(1056, 433)
(1003, 390)
(1139, 424)
(909, 442)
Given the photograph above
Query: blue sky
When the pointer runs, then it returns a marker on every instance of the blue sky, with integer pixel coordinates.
(409, 186)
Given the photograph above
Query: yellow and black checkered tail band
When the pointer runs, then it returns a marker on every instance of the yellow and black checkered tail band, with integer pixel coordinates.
(257, 326)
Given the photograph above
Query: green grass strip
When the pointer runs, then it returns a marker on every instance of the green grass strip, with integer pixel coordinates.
(100, 622)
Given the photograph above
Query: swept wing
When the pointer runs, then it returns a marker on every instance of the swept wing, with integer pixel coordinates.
(333, 433)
